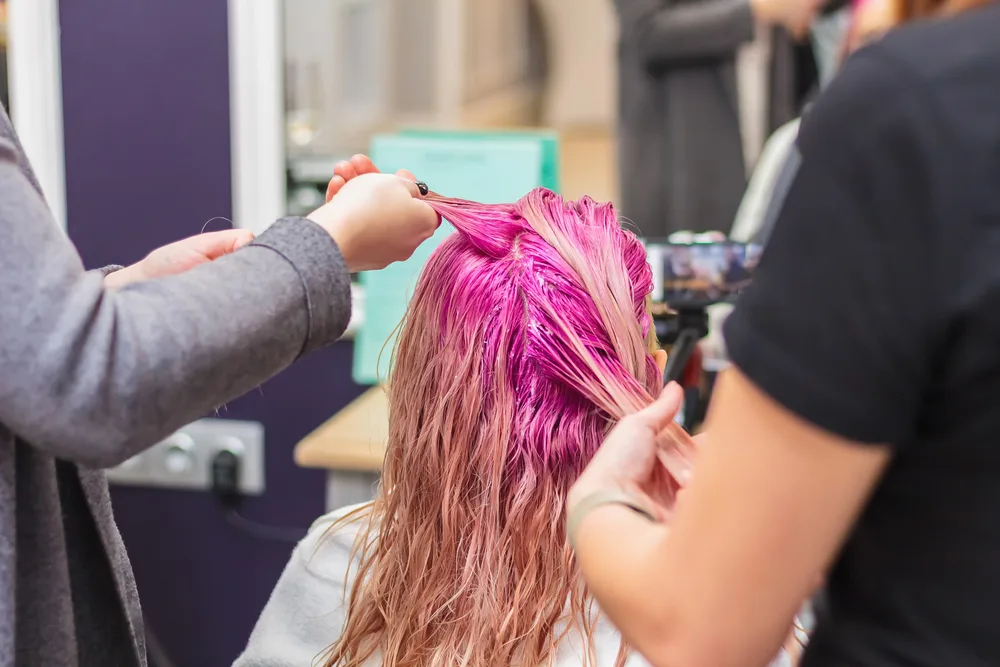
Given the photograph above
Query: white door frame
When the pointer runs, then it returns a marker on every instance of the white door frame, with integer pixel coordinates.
(257, 112)
(257, 121)
(35, 76)
(256, 104)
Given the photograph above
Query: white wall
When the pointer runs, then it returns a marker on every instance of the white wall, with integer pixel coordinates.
(256, 112)
(582, 38)
(371, 65)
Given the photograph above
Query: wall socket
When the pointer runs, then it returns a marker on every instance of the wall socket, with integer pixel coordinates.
(184, 460)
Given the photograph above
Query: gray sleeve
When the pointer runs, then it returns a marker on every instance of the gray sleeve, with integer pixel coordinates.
(666, 35)
(94, 375)
(306, 611)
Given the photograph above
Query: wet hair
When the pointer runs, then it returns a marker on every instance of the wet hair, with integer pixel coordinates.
(528, 336)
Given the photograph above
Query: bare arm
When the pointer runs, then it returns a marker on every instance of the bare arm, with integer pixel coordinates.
(713, 590)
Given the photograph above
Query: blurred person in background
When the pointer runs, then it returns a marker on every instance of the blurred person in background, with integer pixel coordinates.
(690, 118)
(834, 36)
(856, 436)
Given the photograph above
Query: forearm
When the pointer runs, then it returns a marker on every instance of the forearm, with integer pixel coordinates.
(618, 551)
(634, 573)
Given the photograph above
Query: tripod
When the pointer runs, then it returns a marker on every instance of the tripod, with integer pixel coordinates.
(681, 330)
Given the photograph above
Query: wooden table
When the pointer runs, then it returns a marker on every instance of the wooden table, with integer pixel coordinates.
(351, 446)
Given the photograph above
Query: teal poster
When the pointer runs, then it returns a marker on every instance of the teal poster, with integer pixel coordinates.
(493, 168)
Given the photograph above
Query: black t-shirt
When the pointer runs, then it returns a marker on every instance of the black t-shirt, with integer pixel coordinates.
(875, 314)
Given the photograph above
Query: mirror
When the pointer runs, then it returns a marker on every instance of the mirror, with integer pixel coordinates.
(355, 68)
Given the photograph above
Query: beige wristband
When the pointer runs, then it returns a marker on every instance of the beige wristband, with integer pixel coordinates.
(599, 499)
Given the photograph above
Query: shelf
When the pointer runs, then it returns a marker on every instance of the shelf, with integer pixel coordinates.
(353, 439)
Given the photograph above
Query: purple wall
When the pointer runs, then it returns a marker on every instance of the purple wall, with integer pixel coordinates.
(146, 105)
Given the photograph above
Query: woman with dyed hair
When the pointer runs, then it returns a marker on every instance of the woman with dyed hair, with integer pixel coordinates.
(527, 338)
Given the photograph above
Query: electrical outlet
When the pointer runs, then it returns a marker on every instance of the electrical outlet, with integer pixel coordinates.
(184, 460)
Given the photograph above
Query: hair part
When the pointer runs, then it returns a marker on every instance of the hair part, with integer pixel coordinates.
(526, 339)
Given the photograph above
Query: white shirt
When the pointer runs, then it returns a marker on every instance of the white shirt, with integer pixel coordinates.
(307, 609)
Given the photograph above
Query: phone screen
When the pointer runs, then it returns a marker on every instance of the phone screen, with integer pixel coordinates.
(696, 275)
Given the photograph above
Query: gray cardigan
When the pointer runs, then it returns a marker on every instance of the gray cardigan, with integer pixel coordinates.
(89, 377)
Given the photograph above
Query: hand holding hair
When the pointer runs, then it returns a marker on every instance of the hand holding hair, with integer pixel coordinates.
(377, 219)
(630, 461)
(358, 165)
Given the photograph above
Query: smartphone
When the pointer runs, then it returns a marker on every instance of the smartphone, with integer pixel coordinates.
(696, 275)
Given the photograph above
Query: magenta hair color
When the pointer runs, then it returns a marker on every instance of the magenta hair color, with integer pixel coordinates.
(527, 338)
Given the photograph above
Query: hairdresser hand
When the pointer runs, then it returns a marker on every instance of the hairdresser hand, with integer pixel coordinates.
(628, 460)
(180, 256)
(358, 165)
(377, 219)
(795, 15)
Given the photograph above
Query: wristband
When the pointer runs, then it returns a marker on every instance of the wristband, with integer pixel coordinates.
(599, 499)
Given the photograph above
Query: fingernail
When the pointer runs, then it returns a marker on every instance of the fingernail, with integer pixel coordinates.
(422, 187)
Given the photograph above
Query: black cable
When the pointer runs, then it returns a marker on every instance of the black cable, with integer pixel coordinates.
(225, 486)
(155, 653)
(261, 531)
